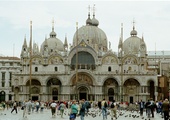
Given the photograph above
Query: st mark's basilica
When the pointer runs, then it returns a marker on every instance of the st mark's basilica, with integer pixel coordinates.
(86, 69)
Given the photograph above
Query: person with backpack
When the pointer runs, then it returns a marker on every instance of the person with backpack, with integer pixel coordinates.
(113, 110)
(82, 109)
(104, 108)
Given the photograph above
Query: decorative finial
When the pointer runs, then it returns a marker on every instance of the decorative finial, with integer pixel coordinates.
(30, 22)
(133, 24)
(53, 24)
(77, 25)
(89, 9)
(94, 10)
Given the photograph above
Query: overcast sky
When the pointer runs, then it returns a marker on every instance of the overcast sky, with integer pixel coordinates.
(152, 20)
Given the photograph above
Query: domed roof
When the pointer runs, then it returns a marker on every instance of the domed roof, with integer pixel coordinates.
(53, 43)
(132, 45)
(92, 35)
(95, 22)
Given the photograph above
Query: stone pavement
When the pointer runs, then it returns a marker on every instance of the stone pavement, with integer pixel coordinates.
(46, 115)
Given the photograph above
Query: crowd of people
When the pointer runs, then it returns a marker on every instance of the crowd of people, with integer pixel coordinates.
(82, 107)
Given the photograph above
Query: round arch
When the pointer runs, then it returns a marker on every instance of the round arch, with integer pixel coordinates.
(111, 88)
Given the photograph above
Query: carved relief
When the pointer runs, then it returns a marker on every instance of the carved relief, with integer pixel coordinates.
(55, 60)
(130, 60)
(109, 59)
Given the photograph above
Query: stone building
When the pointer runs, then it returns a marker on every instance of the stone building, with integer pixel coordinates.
(86, 69)
(8, 66)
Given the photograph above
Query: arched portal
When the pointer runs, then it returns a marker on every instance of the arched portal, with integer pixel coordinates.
(131, 90)
(35, 89)
(54, 88)
(83, 92)
(151, 89)
(83, 85)
(110, 89)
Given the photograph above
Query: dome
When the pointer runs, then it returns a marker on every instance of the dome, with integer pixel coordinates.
(92, 35)
(95, 22)
(53, 43)
(132, 45)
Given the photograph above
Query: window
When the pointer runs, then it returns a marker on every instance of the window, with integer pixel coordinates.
(36, 69)
(56, 69)
(3, 83)
(11, 64)
(109, 69)
(10, 75)
(3, 75)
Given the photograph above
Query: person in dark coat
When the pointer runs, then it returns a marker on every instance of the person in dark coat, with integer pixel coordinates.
(82, 109)
(141, 107)
(165, 109)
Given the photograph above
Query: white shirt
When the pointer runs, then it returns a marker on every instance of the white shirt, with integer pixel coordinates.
(53, 105)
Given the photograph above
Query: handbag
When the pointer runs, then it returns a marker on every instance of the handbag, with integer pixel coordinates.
(72, 116)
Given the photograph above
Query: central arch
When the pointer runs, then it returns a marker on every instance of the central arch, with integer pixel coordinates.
(82, 87)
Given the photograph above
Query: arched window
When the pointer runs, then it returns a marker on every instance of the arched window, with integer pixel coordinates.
(56, 69)
(36, 69)
(109, 69)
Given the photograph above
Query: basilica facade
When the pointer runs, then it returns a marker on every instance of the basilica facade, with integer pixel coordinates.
(86, 69)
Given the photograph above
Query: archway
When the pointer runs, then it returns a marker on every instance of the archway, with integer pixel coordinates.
(2, 96)
(81, 85)
(54, 88)
(83, 92)
(110, 89)
(35, 88)
(131, 90)
(151, 89)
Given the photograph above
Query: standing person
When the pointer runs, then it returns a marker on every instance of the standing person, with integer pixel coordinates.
(14, 107)
(148, 108)
(37, 103)
(165, 109)
(62, 107)
(82, 109)
(141, 107)
(152, 106)
(113, 110)
(29, 106)
(74, 110)
(53, 108)
(104, 109)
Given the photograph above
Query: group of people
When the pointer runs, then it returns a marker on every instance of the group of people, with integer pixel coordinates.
(82, 107)
(161, 107)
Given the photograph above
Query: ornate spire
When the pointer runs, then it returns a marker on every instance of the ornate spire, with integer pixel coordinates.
(30, 46)
(53, 34)
(88, 21)
(65, 42)
(133, 32)
(25, 41)
(95, 22)
(121, 37)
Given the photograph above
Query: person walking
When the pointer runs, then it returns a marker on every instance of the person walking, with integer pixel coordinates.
(165, 109)
(82, 109)
(14, 107)
(74, 110)
(53, 108)
(113, 109)
(104, 108)
(62, 107)
(141, 107)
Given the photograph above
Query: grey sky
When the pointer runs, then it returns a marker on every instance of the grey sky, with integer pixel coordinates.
(152, 20)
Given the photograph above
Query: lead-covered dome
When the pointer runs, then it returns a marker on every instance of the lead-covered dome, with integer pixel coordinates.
(52, 44)
(92, 35)
(133, 44)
